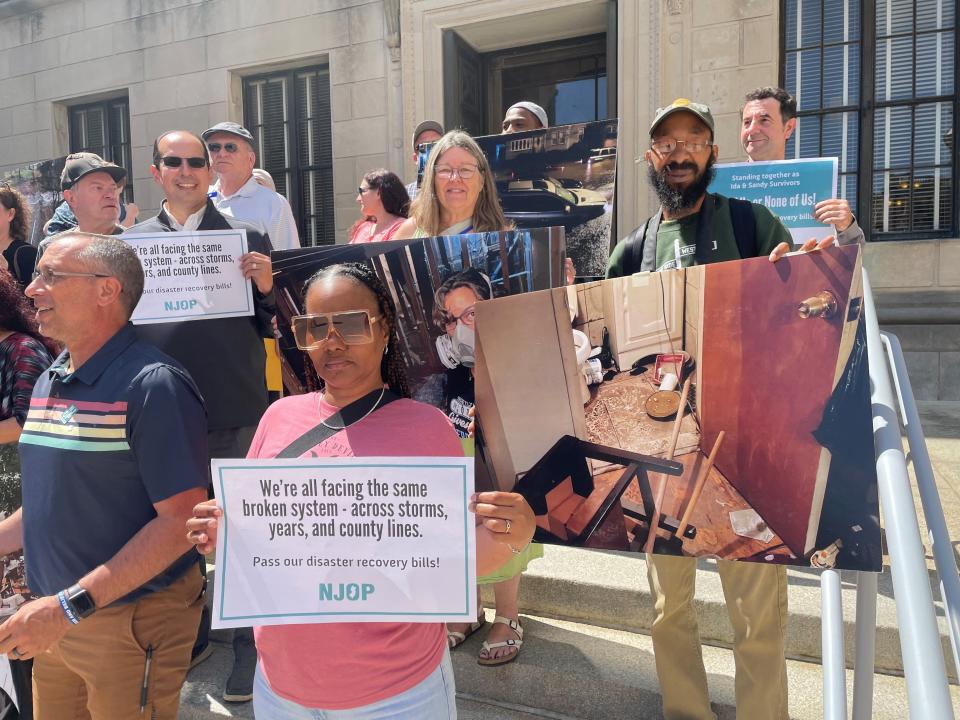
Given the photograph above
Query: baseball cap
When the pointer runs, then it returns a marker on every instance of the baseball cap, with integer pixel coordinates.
(423, 127)
(229, 127)
(531, 107)
(683, 105)
(83, 163)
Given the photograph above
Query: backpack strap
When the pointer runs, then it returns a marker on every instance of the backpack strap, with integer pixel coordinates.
(346, 416)
(633, 252)
(639, 255)
(703, 239)
(651, 227)
(744, 227)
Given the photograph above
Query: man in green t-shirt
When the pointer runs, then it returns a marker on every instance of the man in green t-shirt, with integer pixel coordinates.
(694, 227)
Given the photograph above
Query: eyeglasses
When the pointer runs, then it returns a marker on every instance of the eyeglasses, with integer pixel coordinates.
(665, 147)
(467, 317)
(216, 147)
(355, 327)
(49, 277)
(172, 161)
(465, 172)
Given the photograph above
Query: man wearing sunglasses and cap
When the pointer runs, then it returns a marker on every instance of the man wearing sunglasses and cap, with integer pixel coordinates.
(237, 192)
(225, 356)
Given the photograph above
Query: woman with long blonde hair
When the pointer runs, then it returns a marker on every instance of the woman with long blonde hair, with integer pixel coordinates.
(458, 194)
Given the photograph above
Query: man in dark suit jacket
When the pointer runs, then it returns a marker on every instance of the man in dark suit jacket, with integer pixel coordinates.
(225, 356)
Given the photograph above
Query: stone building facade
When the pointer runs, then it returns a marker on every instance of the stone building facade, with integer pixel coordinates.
(384, 65)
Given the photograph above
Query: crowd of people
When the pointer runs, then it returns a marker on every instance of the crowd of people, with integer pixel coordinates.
(115, 425)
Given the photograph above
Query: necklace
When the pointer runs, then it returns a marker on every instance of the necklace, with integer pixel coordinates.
(341, 427)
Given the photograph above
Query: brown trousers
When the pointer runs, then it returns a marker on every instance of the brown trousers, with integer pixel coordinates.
(96, 671)
(756, 596)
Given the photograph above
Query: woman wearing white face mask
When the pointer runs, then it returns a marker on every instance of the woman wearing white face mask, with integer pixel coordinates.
(454, 313)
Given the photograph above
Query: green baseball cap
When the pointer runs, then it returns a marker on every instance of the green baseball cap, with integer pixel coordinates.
(683, 105)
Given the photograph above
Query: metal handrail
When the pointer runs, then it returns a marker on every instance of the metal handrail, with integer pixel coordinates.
(831, 638)
(928, 694)
(865, 648)
(929, 496)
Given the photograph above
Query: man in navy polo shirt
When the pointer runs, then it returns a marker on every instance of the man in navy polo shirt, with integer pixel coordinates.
(113, 457)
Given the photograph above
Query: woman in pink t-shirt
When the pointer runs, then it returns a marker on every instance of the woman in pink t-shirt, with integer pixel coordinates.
(384, 205)
(369, 670)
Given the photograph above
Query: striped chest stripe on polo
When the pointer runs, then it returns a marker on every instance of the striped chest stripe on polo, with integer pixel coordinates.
(76, 425)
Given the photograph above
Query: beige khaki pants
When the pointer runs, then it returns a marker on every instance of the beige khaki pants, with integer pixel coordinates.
(96, 670)
(756, 597)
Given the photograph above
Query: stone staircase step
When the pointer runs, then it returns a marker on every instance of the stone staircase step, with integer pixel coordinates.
(572, 671)
(471, 708)
(201, 697)
(610, 589)
(568, 671)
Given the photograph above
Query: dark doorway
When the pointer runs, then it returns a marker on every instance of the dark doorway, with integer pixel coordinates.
(568, 78)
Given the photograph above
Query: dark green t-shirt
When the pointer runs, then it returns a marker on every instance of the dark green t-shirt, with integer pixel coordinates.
(676, 239)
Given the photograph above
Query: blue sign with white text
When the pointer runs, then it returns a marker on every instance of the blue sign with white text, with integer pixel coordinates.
(788, 188)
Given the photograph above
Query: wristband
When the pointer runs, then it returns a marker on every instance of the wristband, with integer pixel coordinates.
(79, 601)
(65, 606)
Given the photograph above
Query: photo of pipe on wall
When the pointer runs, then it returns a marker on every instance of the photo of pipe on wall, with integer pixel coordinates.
(720, 410)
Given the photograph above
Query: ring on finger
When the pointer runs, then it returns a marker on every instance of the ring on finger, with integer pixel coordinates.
(509, 525)
(16, 653)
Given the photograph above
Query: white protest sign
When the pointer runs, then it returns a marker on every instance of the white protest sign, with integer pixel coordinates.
(191, 276)
(344, 540)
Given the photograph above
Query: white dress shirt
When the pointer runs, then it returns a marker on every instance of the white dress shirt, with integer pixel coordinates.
(192, 223)
(254, 203)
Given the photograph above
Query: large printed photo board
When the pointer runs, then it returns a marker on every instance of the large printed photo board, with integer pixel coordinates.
(39, 183)
(515, 262)
(776, 356)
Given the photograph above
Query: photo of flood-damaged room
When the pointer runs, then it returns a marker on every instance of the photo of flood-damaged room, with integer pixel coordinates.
(725, 406)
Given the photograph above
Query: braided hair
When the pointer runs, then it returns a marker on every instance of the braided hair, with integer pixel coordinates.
(392, 369)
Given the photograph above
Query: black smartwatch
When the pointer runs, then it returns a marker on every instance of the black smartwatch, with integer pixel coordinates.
(80, 601)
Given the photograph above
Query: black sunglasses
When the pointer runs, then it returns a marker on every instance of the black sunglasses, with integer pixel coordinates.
(215, 147)
(172, 161)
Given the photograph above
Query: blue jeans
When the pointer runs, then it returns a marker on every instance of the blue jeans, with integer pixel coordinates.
(434, 698)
